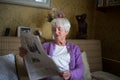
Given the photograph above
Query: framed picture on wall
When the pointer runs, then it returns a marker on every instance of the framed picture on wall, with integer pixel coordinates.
(46, 4)
(22, 29)
(107, 3)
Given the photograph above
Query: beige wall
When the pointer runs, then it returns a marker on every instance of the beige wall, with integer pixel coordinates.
(14, 15)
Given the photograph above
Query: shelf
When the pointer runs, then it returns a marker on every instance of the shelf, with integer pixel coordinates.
(107, 4)
(103, 9)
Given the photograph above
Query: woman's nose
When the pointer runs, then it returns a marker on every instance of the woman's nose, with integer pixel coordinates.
(57, 31)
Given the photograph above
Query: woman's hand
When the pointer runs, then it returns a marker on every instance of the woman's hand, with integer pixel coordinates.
(66, 75)
(22, 51)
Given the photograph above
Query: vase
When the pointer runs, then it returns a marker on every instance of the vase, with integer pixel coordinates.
(82, 26)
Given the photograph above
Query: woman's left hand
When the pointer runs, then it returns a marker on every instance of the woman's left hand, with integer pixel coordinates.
(65, 75)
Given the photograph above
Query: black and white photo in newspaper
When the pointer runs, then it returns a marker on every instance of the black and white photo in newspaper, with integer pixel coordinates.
(37, 62)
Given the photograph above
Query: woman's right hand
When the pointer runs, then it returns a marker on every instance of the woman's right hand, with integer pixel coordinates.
(22, 51)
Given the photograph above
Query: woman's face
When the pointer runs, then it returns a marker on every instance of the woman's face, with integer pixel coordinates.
(59, 33)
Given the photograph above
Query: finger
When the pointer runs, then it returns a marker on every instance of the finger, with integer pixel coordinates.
(66, 75)
(66, 78)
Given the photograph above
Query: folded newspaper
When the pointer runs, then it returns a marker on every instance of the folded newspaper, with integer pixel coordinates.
(38, 64)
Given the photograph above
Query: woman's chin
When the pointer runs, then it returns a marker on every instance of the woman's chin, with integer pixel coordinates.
(57, 39)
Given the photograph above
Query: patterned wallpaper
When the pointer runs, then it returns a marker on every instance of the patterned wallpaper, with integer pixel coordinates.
(13, 16)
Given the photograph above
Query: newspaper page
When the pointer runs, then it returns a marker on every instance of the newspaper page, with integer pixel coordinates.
(38, 64)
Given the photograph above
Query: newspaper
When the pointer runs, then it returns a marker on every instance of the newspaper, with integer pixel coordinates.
(38, 64)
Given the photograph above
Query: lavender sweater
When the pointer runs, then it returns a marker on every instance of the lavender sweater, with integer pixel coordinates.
(76, 64)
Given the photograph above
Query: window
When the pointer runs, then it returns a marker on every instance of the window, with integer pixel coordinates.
(44, 1)
(35, 3)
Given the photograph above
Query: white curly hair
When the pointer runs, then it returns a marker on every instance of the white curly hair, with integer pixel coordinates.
(61, 22)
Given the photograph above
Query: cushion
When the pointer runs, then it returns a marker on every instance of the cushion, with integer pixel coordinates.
(100, 75)
(7, 67)
(87, 74)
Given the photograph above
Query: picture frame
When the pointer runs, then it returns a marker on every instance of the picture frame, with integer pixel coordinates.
(107, 3)
(46, 4)
(22, 29)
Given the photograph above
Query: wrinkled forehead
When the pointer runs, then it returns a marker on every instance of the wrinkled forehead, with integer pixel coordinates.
(58, 27)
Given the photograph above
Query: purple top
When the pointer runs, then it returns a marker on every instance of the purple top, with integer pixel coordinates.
(76, 64)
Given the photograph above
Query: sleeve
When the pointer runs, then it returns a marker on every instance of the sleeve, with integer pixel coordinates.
(44, 45)
(78, 72)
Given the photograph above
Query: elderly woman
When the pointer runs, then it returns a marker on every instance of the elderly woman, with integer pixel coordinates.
(67, 56)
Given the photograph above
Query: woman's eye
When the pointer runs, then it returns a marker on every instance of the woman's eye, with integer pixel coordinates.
(60, 29)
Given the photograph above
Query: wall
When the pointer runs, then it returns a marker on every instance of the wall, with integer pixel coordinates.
(107, 29)
(15, 15)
